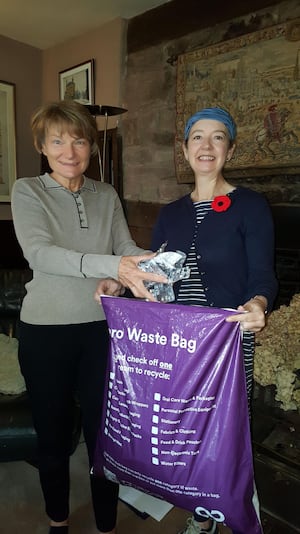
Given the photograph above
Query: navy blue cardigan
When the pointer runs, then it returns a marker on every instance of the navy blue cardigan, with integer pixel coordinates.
(234, 248)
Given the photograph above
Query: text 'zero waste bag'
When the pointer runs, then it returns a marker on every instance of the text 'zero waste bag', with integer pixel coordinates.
(175, 418)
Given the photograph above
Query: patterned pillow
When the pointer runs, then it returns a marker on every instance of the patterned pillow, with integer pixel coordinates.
(11, 379)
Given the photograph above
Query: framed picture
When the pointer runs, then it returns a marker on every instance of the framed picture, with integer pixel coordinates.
(8, 165)
(77, 83)
(256, 78)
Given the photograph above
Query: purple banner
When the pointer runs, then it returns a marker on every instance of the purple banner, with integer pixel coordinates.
(175, 422)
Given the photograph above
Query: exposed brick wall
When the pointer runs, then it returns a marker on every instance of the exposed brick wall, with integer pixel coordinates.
(148, 129)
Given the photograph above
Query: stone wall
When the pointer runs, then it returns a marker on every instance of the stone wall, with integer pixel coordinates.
(148, 129)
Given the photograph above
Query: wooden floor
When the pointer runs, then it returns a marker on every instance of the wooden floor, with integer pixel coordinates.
(175, 520)
(22, 510)
(276, 462)
(275, 526)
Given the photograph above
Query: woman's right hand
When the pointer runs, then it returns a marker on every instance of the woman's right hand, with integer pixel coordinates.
(133, 278)
(108, 286)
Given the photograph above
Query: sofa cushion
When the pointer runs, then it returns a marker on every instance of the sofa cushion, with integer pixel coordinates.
(11, 379)
(12, 289)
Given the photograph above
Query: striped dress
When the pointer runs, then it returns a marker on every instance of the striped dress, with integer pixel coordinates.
(192, 292)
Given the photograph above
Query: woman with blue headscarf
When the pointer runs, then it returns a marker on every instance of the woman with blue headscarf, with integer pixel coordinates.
(228, 237)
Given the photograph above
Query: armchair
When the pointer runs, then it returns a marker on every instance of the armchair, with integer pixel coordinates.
(17, 435)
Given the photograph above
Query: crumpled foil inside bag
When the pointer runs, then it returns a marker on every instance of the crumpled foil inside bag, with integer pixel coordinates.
(170, 264)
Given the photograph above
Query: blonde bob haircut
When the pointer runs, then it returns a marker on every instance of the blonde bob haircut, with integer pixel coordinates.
(67, 116)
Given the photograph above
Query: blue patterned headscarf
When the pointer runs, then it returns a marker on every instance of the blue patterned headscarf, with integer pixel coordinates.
(217, 114)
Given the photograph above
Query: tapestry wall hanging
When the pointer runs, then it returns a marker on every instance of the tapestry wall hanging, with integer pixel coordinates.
(256, 77)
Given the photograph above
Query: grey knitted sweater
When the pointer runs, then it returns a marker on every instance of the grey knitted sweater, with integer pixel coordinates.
(70, 241)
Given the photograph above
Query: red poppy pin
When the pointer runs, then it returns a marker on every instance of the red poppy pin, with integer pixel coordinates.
(221, 203)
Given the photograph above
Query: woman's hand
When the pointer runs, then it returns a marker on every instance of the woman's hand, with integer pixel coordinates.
(132, 277)
(108, 286)
(252, 316)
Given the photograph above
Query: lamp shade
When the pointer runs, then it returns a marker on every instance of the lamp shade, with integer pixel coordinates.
(107, 111)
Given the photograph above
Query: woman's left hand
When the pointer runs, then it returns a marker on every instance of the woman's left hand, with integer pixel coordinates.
(252, 316)
(108, 286)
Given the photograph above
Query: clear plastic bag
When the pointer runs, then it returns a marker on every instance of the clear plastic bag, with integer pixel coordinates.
(169, 264)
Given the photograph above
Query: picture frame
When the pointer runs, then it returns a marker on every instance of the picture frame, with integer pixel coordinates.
(77, 83)
(256, 78)
(8, 160)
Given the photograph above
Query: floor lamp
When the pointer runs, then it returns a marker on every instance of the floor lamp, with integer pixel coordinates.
(105, 111)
